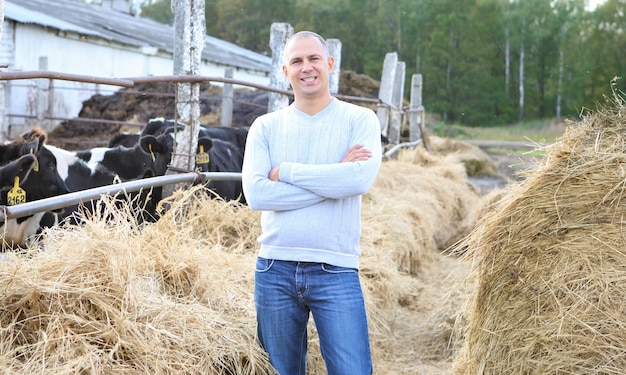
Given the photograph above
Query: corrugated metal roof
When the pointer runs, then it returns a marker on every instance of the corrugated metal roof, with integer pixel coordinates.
(108, 24)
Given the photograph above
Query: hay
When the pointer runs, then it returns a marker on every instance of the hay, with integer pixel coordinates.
(176, 296)
(476, 162)
(550, 262)
(108, 298)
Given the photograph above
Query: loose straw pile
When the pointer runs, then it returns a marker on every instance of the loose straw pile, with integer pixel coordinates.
(551, 262)
(176, 296)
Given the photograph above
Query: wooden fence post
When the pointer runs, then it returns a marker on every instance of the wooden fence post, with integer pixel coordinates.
(385, 93)
(279, 33)
(334, 50)
(416, 111)
(189, 28)
(397, 98)
(227, 100)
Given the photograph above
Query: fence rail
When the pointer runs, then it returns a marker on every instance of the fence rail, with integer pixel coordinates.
(53, 203)
(13, 75)
(30, 208)
(131, 82)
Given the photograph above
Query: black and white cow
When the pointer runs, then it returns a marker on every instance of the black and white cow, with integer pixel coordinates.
(80, 174)
(154, 127)
(223, 156)
(16, 171)
(43, 181)
(235, 135)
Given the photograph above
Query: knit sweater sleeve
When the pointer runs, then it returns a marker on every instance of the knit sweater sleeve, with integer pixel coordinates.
(341, 180)
(262, 193)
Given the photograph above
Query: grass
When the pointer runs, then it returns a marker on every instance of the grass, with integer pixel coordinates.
(539, 131)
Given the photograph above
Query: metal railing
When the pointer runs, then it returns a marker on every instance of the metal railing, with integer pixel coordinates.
(60, 201)
(53, 203)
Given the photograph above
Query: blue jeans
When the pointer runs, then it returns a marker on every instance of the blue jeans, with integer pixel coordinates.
(285, 292)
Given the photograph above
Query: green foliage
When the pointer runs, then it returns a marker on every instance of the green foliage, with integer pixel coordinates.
(444, 130)
(160, 11)
(483, 62)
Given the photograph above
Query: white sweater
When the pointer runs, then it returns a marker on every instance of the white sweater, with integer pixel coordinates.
(314, 213)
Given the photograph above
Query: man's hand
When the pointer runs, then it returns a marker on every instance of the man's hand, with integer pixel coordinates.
(356, 153)
(274, 174)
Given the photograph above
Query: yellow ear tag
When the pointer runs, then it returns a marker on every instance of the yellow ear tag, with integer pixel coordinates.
(16, 195)
(151, 153)
(202, 157)
(36, 165)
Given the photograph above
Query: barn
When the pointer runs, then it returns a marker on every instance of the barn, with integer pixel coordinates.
(68, 36)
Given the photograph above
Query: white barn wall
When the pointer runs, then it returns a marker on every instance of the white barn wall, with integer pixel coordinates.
(66, 52)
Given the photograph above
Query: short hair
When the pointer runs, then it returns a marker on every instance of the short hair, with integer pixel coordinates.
(305, 34)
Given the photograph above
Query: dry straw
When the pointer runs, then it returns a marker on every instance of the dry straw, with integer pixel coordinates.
(551, 262)
(176, 296)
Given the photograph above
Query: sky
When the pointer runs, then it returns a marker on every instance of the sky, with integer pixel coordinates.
(594, 3)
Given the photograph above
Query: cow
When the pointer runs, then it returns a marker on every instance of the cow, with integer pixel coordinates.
(154, 127)
(16, 171)
(43, 181)
(80, 174)
(223, 156)
(124, 139)
(129, 163)
(235, 135)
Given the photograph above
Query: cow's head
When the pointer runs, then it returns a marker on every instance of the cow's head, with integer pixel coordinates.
(44, 181)
(158, 126)
(17, 169)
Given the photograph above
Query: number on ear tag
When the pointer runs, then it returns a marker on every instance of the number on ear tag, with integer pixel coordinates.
(202, 157)
(16, 195)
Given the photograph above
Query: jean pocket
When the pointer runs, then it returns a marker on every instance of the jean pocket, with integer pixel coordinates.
(263, 264)
(337, 269)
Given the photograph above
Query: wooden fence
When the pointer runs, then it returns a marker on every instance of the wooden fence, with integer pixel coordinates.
(390, 111)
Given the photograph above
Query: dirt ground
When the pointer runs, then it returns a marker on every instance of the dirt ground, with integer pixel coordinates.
(509, 166)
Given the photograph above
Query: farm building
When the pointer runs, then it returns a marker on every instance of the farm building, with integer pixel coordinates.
(67, 36)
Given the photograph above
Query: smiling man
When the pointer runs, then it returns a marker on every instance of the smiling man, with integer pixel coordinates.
(306, 167)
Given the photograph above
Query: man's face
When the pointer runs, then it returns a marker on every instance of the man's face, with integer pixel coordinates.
(307, 67)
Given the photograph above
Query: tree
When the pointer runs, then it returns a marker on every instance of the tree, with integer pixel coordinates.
(471, 54)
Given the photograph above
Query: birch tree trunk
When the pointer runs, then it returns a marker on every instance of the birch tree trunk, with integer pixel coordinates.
(560, 85)
(507, 62)
(521, 78)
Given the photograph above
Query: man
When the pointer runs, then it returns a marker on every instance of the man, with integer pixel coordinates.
(306, 167)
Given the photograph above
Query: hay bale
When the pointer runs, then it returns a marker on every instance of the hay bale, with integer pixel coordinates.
(550, 262)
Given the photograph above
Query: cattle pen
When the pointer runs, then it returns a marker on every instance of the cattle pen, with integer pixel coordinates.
(390, 116)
